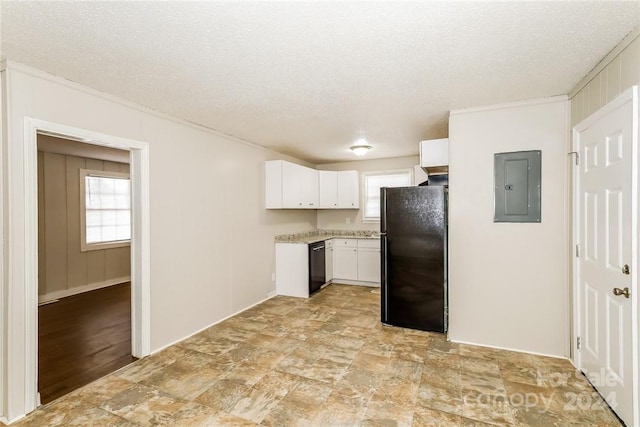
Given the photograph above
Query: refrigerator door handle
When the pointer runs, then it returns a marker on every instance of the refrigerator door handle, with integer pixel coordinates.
(383, 279)
(383, 210)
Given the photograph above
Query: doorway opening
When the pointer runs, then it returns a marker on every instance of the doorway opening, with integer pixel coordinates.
(27, 320)
(84, 264)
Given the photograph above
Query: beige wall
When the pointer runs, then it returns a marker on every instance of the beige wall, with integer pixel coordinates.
(63, 269)
(336, 219)
(212, 241)
(508, 281)
(616, 72)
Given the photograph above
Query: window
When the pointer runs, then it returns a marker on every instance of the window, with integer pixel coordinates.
(373, 181)
(105, 204)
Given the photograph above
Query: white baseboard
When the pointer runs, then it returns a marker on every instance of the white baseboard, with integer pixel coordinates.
(355, 283)
(555, 356)
(81, 289)
(207, 327)
(7, 422)
(271, 294)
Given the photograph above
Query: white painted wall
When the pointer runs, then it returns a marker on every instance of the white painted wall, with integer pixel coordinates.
(330, 219)
(208, 221)
(508, 283)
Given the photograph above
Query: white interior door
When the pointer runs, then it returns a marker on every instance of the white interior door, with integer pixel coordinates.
(604, 209)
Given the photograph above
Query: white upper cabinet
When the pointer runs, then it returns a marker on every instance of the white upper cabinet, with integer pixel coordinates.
(273, 184)
(309, 188)
(328, 183)
(339, 189)
(290, 186)
(348, 190)
(434, 152)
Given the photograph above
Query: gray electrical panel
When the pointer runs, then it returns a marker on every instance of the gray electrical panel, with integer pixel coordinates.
(517, 188)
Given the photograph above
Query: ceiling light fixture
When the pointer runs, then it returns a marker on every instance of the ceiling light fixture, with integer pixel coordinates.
(360, 147)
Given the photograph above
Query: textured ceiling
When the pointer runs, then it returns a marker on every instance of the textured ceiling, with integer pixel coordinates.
(308, 78)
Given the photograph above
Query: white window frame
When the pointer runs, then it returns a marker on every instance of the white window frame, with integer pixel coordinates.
(84, 246)
(366, 219)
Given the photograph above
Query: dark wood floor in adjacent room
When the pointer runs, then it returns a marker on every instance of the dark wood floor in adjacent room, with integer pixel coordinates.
(82, 338)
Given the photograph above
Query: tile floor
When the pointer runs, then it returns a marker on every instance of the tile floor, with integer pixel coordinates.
(327, 361)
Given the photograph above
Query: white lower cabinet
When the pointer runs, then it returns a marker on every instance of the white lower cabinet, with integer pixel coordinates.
(369, 261)
(356, 260)
(328, 260)
(350, 261)
(345, 259)
(292, 269)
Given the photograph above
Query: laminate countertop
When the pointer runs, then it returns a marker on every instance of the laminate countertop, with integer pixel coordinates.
(320, 235)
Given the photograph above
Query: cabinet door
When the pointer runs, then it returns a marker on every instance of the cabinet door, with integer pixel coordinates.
(328, 263)
(328, 189)
(369, 265)
(348, 190)
(292, 269)
(309, 189)
(345, 263)
(434, 152)
(292, 176)
(273, 184)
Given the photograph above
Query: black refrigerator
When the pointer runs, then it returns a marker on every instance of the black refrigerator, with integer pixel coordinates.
(413, 229)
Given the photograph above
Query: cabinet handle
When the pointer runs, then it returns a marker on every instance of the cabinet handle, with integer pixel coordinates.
(310, 204)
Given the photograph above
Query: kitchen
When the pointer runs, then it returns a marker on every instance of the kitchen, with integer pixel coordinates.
(219, 244)
(306, 262)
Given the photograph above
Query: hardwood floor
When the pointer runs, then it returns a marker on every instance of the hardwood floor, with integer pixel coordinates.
(82, 338)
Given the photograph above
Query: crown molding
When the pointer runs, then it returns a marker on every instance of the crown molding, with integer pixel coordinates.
(530, 102)
(7, 64)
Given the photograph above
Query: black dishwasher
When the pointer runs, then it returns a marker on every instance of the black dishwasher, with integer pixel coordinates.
(316, 266)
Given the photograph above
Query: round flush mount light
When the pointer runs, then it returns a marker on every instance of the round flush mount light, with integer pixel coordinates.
(360, 147)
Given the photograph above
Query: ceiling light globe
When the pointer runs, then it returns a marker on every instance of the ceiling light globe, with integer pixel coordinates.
(360, 150)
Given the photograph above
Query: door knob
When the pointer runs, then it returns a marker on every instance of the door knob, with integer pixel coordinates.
(618, 292)
(625, 269)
